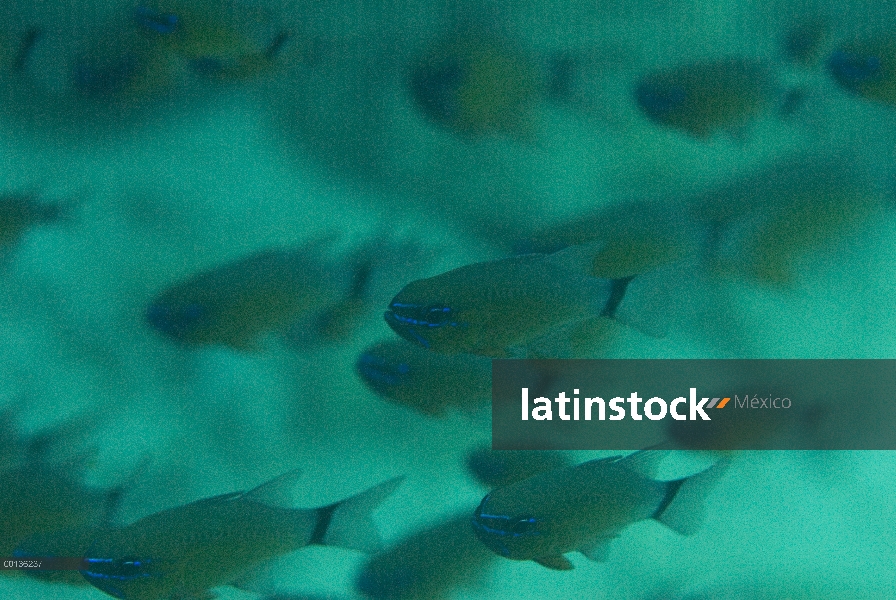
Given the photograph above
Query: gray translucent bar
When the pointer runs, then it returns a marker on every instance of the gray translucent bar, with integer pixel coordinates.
(750, 404)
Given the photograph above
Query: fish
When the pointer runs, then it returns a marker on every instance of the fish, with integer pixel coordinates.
(427, 564)
(583, 507)
(210, 38)
(704, 97)
(638, 236)
(766, 223)
(498, 468)
(185, 551)
(233, 304)
(496, 308)
(477, 83)
(866, 68)
(430, 383)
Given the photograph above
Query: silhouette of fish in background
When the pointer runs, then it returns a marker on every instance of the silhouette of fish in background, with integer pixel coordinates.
(583, 507)
(184, 551)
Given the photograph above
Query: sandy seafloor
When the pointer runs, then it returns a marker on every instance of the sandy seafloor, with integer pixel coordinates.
(213, 172)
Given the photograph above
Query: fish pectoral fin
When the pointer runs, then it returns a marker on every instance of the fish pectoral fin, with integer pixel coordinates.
(557, 562)
(598, 549)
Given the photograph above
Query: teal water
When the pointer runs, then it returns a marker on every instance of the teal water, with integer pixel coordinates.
(183, 171)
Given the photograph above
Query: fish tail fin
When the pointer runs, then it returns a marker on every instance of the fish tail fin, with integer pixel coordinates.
(682, 507)
(348, 524)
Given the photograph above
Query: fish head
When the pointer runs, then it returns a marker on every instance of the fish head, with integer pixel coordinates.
(511, 534)
(123, 578)
(853, 70)
(428, 315)
(382, 373)
(435, 86)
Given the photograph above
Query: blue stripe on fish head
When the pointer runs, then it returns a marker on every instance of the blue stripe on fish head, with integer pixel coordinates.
(109, 574)
(852, 70)
(380, 374)
(502, 533)
(178, 322)
(658, 100)
(417, 323)
(155, 21)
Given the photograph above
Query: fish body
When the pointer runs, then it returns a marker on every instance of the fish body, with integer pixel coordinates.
(478, 84)
(637, 237)
(490, 307)
(407, 374)
(185, 551)
(866, 68)
(584, 507)
(705, 97)
(233, 304)
(212, 39)
(767, 222)
(40, 498)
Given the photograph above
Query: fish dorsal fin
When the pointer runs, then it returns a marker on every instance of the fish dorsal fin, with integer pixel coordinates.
(598, 549)
(646, 462)
(558, 562)
(682, 508)
(277, 491)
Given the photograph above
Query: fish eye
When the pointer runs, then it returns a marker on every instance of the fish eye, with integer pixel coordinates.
(524, 525)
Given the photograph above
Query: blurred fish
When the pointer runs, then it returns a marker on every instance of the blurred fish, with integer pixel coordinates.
(21, 212)
(867, 68)
(584, 507)
(431, 383)
(427, 565)
(120, 66)
(705, 97)
(214, 39)
(499, 468)
(637, 237)
(41, 498)
(477, 83)
(768, 221)
(235, 303)
(184, 551)
(496, 308)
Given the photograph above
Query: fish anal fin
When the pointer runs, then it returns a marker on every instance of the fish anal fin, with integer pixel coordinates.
(599, 549)
(349, 523)
(557, 562)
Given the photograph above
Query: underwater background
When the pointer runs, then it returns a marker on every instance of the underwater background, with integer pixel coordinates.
(143, 144)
